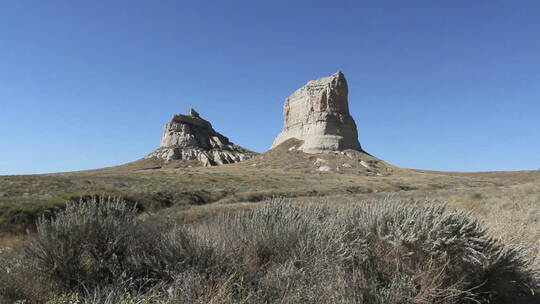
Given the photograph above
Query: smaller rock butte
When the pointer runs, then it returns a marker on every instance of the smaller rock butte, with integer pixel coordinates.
(318, 114)
(189, 137)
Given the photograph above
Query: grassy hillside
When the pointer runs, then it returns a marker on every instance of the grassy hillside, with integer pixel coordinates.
(505, 204)
(24, 198)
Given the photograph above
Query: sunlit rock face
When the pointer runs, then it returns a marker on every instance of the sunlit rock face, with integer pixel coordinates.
(318, 114)
(189, 137)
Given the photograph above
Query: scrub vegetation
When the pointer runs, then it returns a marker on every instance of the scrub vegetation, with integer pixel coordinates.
(278, 251)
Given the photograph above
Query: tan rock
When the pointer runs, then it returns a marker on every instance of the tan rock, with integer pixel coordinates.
(318, 114)
(364, 164)
(189, 137)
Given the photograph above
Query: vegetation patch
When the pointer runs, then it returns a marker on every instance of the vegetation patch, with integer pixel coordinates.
(388, 251)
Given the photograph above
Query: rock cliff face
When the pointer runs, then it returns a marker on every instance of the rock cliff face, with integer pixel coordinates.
(189, 137)
(318, 115)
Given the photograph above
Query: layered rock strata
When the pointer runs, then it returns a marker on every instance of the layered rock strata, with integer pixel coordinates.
(189, 137)
(318, 115)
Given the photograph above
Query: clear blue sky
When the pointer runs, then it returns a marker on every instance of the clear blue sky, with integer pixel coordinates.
(445, 85)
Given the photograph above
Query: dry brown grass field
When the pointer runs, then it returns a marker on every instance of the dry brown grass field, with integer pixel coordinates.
(507, 201)
(282, 227)
(506, 204)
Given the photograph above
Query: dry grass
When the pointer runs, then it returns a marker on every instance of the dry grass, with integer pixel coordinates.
(506, 203)
(194, 194)
(515, 222)
(12, 240)
(24, 198)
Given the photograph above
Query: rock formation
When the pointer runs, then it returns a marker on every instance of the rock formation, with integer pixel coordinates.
(318, 115)
(189, 137)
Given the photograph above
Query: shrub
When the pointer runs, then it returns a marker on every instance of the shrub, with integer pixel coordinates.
(379, 252)
(277, 252)
(99, 243)
(477, 196)
(89, 243)
(427, 253)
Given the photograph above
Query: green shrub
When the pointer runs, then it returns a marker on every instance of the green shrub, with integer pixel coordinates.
(477, 196)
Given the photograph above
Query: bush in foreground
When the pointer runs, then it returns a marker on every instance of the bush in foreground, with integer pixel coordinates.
(277, 252)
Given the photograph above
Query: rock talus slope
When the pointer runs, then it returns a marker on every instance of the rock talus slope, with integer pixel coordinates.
(189, 137)
(318, 115)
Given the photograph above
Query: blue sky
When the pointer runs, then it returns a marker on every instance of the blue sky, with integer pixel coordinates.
(443, 85)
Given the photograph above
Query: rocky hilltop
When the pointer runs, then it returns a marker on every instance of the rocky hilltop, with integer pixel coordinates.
(191, 138)
(319, 134)
(318, 115)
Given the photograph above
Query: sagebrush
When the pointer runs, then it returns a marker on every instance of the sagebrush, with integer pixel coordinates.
(99, 251)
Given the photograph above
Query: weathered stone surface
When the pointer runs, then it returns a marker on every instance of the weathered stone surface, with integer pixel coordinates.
(318, 114)
(189, 137)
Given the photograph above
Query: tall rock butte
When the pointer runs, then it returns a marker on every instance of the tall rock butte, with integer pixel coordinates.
(318, 115)
(189, 137)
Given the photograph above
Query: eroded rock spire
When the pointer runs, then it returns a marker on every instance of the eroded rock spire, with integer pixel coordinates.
(318, 115)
